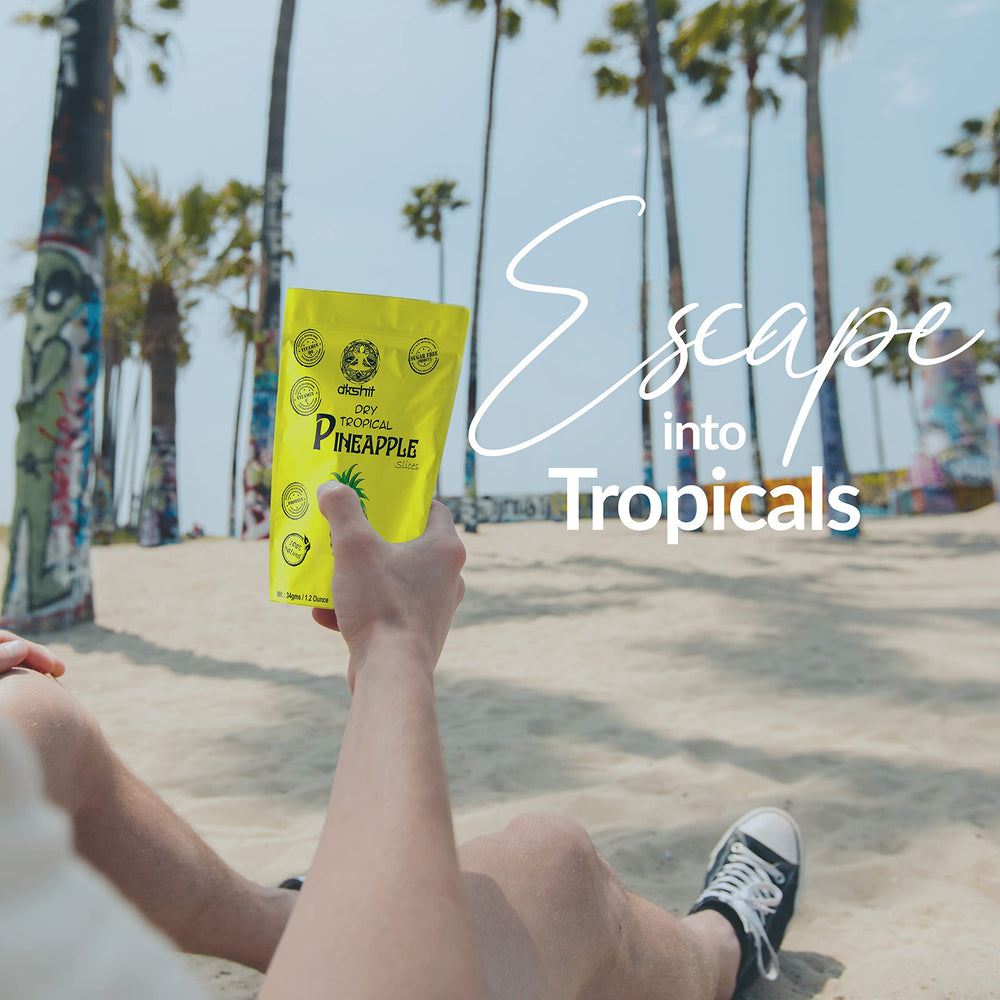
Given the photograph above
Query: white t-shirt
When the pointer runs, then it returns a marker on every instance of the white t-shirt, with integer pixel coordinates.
(65, 932)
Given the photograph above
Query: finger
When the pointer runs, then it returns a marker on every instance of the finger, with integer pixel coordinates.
(326, 617)
(12, 653)
(29, 654)
(42, 658)
(341, 507)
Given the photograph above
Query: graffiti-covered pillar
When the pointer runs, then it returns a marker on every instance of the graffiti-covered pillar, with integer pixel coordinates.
(257, 476)
(48, 577)
(953, 427)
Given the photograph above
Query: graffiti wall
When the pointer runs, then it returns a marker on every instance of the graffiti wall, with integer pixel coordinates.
(524, 507)
(48, 578)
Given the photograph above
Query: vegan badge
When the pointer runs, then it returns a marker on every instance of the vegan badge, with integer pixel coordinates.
(294, 501)
(294, 548)
(359, 362)
(304, 397)
(424, 356)
(308, 348)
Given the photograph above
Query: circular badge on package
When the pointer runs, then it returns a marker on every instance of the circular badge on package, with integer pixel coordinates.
(294, 548)
(305, 397)
(359, 362)
(294, 501)
(424, 356)
(308, 348)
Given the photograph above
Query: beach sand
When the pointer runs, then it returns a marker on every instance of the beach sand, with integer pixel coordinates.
(651, 692)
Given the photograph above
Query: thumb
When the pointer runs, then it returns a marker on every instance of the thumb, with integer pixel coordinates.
(341, 506)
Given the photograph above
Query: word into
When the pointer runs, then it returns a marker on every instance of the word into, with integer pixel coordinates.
(709, 433)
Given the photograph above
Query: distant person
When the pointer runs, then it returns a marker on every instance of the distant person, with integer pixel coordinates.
(391, 908)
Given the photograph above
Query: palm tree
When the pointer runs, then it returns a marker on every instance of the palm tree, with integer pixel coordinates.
(48, 581)
(241, 211)
(660, 85)
(627, 29)
(124, 309)
(156, 39)
(257, 474)
(425, 216)
(750, 27)
(978, 150)
(905, 292)
(506, 24)
(827, 19)
(173, 243)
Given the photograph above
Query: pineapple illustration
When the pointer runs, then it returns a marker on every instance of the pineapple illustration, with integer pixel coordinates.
(351, 477)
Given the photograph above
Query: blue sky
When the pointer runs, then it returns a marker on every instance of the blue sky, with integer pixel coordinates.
(385, 96)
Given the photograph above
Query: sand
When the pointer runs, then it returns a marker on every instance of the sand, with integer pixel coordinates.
(653, 693)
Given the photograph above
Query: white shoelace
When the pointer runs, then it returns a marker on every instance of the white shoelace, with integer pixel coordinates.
(746, 883)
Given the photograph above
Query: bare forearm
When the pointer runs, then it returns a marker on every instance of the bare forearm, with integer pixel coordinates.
(383, 912)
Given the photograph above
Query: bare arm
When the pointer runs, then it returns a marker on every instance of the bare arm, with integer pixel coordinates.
(383, 912)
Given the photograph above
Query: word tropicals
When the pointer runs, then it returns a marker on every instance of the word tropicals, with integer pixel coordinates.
(780, 334)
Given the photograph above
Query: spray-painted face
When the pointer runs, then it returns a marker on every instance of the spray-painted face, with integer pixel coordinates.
(60, 289)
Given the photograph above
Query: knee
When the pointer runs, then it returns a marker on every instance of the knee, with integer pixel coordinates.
(63, 734)
(552, 841)
(567, 865)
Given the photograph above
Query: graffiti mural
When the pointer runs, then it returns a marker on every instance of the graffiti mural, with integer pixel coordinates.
(952, 428)
(48, 581)
(257, 475)
(159, 523)
(993, 448)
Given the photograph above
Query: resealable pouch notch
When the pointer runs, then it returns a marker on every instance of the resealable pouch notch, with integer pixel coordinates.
(366, 386)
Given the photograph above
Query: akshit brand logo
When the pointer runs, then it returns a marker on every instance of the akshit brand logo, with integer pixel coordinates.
(359, 362)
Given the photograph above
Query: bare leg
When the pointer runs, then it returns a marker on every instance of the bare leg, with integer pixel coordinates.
(553, 921)
(130, 835)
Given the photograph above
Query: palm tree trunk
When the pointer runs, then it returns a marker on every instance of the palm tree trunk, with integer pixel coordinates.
(105, 520)
(441, 268)
(687, 471)
(127, 478)
(437, 482)
(996, 168)
(911, 396)
(834, 458)
(48, 583)
(257, 475)
(759, 504)
(159, 523)
(877, 416)
(469, 512)
(236, 438)
(104, 485)
(646, 405)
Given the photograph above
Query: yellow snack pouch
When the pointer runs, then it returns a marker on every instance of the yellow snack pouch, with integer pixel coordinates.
(366, 386)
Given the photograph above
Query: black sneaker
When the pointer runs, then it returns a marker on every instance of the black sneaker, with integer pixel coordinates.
(751, 881)
(294, 883)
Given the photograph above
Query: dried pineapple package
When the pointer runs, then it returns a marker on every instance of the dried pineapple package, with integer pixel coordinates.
(366, 386)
